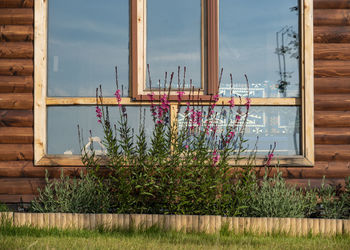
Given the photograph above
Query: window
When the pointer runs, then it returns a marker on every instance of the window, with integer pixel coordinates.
(78, 45)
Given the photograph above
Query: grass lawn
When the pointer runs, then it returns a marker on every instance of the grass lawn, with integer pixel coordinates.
(31, 238)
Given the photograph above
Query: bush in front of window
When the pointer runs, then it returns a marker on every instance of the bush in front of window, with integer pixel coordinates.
(184, 167)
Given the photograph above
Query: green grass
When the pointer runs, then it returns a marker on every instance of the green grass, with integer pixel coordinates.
(33, 238)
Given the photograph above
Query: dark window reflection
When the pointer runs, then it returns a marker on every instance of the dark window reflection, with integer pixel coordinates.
(86, 40)
(260, 39)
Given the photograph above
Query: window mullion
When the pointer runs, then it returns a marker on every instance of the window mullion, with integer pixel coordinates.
(212, 50)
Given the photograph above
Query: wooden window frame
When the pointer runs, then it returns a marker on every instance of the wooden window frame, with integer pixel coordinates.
(137, 77)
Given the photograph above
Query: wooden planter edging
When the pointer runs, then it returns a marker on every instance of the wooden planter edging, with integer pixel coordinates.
(185, 223)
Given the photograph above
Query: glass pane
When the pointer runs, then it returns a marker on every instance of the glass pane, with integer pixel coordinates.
(260, 39)
(265, 125)
(86, 40)
(62, 124)
(174, 39)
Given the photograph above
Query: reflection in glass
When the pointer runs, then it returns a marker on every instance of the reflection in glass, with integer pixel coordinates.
(86, 40)
(174, 39)
(260, 39)
(62, 124)
(280, 124)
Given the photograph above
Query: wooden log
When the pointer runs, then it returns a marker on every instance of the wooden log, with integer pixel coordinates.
(332, 152)
(16, 101)
(20, 186)
(331, 34)
(16, 135)
(17, 16)
(333, 4)
(339, 17)
(26, 169)
(13, 152)
(337, 102)
(14, 67)
(332, 51)
(328, 68)
(20, 50)
(16, 198)
(16, 3)
(332, 136)
(329, 85)
(16, 33)
(332, 118)
(16, 118)
(16, 84)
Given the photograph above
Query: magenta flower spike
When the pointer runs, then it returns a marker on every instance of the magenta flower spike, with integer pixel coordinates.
(117, 95)
(232, 102)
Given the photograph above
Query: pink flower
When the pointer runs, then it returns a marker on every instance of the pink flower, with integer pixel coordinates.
(186, 146)
(98, 114)
(232, 102)
(216, 98)
(151, 96)
(238, 118)
(269, 158)
(216, 157)
(179, 95)
(248, 102)
(230, 136)
(117, 95)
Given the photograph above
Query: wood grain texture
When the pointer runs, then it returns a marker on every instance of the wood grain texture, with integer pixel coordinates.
(16, 135)
(332, 136)
(16, 3)
(16, 16)
(328, 68)
(16, 101)
(27, 169)
(16, 198)
(16, 118)
(337, 102)
(17, 50)
(21, 186)
(16, 84)
(331, 34)
(332, 85)
(332, 153)
(14, 67)
(16, 152)
(332, 119)
(332, 51)
(328, 17)
(16, 33)
(331, 4)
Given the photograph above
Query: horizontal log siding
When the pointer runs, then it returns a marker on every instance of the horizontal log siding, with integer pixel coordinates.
(19, 178)
(332, 87)
(16, 100)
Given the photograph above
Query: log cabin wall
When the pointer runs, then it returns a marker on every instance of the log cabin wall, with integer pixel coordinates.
(19, 178)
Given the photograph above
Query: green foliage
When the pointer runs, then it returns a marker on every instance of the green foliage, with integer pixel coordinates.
(3, 208)
(73, 195)
(334, 204)
(274, 198)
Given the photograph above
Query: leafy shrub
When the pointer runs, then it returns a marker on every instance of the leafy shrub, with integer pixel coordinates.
(180, 169)
(274, 198)
(334, 204)
(3, 208)
(73, 195)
